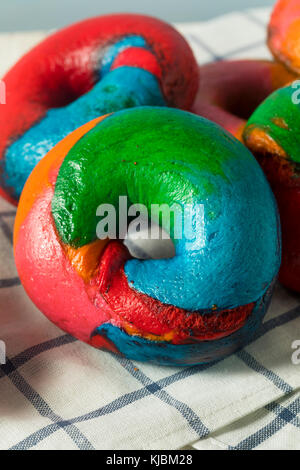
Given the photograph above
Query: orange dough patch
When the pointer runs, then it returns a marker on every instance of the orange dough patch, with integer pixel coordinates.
(45, 173)
(85, 259)
(291, 44)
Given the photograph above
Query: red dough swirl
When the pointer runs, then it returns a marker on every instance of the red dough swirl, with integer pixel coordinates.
(86, 70)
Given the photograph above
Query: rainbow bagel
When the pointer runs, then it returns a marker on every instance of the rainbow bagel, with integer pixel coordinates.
(284, 33)
(202, 304)
(89, 69)
(229, 91)
(272, 134)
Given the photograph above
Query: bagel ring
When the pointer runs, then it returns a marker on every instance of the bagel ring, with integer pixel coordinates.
(199, 306)
(91, 68)
(284, 34)
(272, 134)
(229, 91)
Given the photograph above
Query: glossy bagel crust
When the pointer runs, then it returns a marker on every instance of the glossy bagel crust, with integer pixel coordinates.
(272, 134)
(229, 91)
(199, 306)
(81, 72)
(284, 33)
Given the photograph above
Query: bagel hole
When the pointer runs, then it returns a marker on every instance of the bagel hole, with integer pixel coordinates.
(148, 240)
(243, 107)
(246, 96)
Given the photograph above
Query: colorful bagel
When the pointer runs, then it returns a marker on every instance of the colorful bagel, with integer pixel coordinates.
(273, 135)
(199, 306)
(284, 33)
(84, 71)
(229, 91)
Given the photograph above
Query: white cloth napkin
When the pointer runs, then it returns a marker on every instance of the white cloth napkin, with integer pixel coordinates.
(58, 393)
